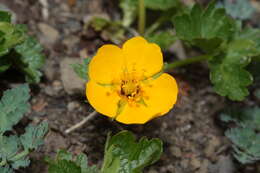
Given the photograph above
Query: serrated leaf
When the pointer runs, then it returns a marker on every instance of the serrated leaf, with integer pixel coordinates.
(239, 9)
(5, 170)
(252, 35)
(129, 8)
(246, 117)
(21, 163)
(161, 4)
(9, 147)
(82, 161)
(5, 16)
(64, 155)
(82, 69)
(164, 39)
(29, 58)
(13, 105)
(33, 136)
(64, 166)
(10, 36)
(246, 144)
(123, 154)
(228, 73)
(206, 29)
(245, 136)
(64, 163)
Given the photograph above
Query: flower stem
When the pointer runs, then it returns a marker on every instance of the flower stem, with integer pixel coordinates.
(187, 61)
(142, 16)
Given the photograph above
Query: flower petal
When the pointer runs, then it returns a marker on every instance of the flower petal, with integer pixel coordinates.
(142, 57)
(161, 95)
(103, 98)
(107, 64)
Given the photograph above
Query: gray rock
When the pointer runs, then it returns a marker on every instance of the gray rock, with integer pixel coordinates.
(49, 34)
(70, 80)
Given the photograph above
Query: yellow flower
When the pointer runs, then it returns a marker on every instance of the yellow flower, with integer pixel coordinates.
(128, 85)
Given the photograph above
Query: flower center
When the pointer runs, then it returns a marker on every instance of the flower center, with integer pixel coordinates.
(130, 89)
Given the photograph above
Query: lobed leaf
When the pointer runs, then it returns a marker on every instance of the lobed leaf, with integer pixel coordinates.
(64, 163)
(206, 29)
(5, 170)
(29, 59)
(123, 154)
(245, 136)
(10, 36)
(228, 70)
(9, 147)
(239, 9)
(245, 144)
(164, 39)
(33, 136)
(13, 105)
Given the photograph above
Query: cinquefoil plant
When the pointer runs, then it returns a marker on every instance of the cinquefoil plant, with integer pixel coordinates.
(19, 50)
(245, 137)
(14, 149)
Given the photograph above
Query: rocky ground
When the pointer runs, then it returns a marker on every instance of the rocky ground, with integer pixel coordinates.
(194, 141)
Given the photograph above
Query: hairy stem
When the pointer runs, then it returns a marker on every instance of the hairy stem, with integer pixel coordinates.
(187, 61)
(142, 16)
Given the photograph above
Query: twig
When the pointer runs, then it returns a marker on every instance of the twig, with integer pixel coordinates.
(81, 123)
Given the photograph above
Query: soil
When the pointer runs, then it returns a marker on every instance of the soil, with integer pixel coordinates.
(194, 140)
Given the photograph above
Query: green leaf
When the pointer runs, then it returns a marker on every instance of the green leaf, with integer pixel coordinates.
(10, 37)
(9, 147)
(123, 154)
(129, 8)
(110, 30)
(239, 9)
(82, 161)
(5, 170)
(29, 59)
(64, 166)
(252, 35)
(164, 39)
(161, 4)
(82, 69)
(21, 163)
(228, 73)
(13, 105)
(246, 144)
(246, 117)
(245, 136)
(33, 136)
(5, 16)
(64, 163)
(205, 29)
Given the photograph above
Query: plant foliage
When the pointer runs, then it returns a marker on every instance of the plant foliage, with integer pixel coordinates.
(122, 154)
(19, 50)
(14, 150)
(245, 136)
(82, 69)
(64, 163)
(230, 47)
